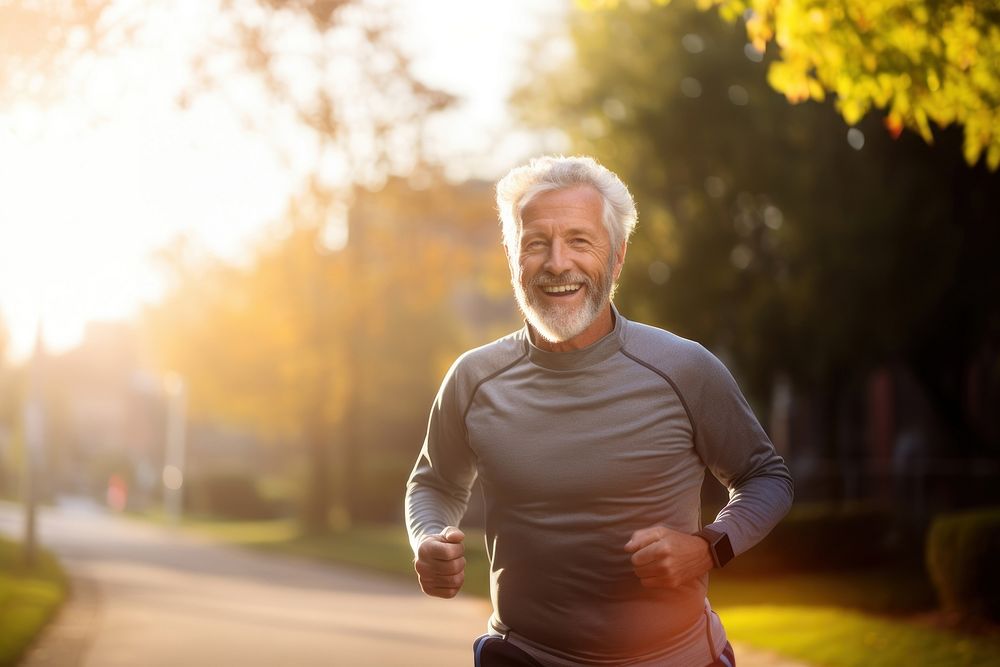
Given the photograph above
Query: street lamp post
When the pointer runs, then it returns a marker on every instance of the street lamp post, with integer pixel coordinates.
(34, 424)
(174, 455)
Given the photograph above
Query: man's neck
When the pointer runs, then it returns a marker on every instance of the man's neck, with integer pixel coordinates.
(602, 325)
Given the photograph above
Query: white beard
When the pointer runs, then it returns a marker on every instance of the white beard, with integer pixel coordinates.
(556, 323)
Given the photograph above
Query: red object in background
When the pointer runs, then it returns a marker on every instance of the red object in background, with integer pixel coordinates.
(117, 496)
(881, 425)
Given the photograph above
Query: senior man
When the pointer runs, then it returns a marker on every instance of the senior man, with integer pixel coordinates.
(591, 435)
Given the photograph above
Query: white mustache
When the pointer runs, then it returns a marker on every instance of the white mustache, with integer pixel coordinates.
(564, 279)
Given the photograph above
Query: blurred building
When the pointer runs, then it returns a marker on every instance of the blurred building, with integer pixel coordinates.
(106, 423)
(104, 414)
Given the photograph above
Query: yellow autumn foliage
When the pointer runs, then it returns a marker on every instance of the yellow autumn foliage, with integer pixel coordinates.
(920, 62)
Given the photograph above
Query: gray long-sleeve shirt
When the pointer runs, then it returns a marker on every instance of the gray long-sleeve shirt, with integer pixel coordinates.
(575, 452)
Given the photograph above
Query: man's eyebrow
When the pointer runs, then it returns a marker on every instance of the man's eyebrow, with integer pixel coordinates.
(571, 231)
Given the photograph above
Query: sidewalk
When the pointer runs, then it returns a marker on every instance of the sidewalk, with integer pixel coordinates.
(144, 595)
(65, 641)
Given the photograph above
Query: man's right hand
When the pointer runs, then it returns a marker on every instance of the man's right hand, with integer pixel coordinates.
(440, 563)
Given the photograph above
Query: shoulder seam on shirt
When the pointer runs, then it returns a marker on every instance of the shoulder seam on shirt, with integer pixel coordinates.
(662, 374)
(472, 395)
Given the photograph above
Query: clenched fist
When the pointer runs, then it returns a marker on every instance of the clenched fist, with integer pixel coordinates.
(440, 563)
(665, 558)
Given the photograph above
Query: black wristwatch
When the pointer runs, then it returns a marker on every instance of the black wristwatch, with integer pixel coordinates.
(718, 544)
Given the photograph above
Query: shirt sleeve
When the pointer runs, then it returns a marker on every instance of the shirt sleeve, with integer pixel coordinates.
(438, 489)
(737, 451)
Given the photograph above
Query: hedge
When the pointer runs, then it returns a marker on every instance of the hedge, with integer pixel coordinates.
(962, 559)
(823, 538)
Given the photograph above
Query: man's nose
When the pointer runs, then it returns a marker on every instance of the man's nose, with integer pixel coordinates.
(557, 261)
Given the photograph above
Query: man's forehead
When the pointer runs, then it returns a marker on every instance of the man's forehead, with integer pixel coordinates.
(581, 201)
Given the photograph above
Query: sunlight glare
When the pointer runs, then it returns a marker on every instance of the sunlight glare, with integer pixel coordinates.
(94, 185)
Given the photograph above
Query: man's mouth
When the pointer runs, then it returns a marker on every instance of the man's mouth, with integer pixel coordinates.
(561, 290)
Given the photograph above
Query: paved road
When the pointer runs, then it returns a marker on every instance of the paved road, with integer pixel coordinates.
(149, 596)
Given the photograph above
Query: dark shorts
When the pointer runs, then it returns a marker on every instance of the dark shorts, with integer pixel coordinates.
(727, 659)
(493, 651)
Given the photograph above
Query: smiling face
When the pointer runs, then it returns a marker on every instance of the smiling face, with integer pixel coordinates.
(566, 268)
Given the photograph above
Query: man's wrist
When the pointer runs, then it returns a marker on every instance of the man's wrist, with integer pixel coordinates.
(719, 547)
(708, 562)
(423, 538)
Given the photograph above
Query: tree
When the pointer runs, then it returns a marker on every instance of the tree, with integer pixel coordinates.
(328, 70)
(429, 281)
(921, 61)
(46, 42)
(332, 348)
(769, 237)
(8, 405)
(332, 68)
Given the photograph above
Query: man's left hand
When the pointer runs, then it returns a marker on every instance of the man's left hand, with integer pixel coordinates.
(665, 558)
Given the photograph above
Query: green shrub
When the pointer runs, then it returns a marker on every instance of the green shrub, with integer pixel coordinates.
(822, 538)
(962, 552)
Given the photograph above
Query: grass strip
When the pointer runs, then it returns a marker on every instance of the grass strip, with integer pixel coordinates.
(886, 591)
(28, 598)
(838, 637)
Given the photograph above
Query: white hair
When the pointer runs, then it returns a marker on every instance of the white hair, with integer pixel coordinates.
(557, 172)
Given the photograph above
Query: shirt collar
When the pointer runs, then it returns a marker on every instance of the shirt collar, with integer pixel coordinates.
(594, 353)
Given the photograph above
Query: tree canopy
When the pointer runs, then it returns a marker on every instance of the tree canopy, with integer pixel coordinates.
(333, 69)
(335, 349)
(278, 346)
(770, 232)
(921, 61)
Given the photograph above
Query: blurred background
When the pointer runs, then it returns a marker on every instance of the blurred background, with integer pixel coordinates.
(242, 240)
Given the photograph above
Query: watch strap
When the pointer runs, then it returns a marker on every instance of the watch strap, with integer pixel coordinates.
(718, 545)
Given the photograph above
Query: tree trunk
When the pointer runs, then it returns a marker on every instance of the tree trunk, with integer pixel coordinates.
(316, 511)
